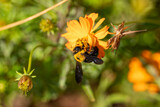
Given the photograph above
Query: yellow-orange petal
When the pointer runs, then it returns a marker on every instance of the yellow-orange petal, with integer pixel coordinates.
(85, 25)
(91, 24)
(135, 62)
(74, 29)
(92, 40)
(70, 45)
(153, 88)
(98, 24)
(102, 44)
(156, 59)
(146, 55)
(93, 16)
(70, 37)
(140, 86)
(101, 52)
(138, 73)
(102, 32)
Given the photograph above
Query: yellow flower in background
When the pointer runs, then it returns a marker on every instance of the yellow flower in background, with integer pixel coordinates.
(141, 79)
(82, 32)
(97, 3)
(46, 25)
(142, 7)
(2, 86)
(2, 23)
(3, 1)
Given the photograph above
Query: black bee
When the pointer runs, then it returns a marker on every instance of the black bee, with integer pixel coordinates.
(89, 57)
(92, 57)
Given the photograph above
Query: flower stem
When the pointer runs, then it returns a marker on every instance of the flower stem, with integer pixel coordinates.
(31, 53)
(30, 58)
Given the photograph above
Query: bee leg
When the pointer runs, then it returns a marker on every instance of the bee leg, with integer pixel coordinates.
(78, 72)
(97, 60)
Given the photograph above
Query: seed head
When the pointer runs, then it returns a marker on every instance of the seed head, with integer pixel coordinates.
(25, 83)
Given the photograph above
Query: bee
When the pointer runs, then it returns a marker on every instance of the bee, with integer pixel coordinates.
(82, 54)
(92, 57)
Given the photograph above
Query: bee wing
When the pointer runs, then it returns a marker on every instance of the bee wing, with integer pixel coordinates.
(97, 60)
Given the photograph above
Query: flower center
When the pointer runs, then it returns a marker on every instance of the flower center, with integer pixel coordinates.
(84, 52)
(80, 49)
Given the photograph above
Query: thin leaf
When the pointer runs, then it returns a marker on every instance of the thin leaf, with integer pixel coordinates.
(116, 98)
(24, 70)
(31, 72)
(63, 74)
(88, 91)
(33, 76)
(20, 74)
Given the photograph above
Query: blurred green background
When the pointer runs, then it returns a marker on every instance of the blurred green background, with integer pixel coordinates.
(54, 65)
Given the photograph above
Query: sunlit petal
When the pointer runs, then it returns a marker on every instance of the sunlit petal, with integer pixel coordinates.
(102, 32)
(85, 26)
(98, 24)
(70, 45)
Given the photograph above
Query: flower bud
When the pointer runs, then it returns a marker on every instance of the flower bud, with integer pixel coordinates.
(25, 83)
(46, 25)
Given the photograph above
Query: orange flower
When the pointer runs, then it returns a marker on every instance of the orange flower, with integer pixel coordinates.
(153, 59)
(153, 88)
(146, 54)
(156, 60)
(139, 76)
(137, 73)
(84, 31)
(140, 86)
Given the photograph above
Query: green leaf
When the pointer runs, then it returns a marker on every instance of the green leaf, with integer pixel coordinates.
(106, 80)
(88, 90)
(116, 98)
(63, 74)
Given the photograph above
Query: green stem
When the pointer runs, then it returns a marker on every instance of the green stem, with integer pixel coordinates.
(30, 58)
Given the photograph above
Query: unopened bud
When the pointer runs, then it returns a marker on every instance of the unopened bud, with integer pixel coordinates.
(25, 83)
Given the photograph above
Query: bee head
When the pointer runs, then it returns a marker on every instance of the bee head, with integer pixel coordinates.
(76, 49)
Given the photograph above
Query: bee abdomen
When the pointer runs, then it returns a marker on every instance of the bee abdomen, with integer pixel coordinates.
(78, 72)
